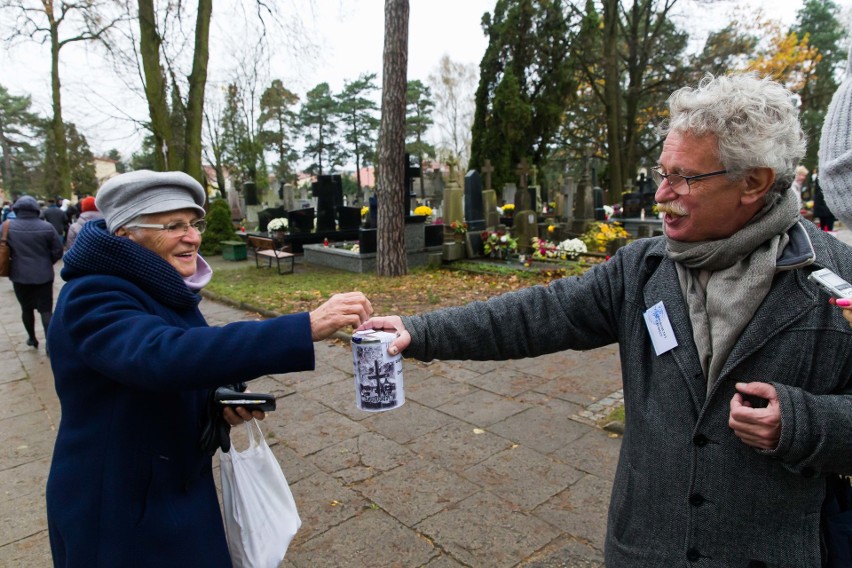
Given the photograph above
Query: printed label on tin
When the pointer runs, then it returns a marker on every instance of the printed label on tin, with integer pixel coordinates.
(378, 375)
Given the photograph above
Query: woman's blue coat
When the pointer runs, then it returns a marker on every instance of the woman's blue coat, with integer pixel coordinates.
(133, 361)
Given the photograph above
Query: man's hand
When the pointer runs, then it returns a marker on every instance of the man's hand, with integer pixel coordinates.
(392, 324)
(757, 427)
(341, 310)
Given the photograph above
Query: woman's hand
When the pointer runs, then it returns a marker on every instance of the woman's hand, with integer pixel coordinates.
(846, 305)
(392, 324)
(341, 310)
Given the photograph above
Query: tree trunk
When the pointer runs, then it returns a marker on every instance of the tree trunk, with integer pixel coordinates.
(612, 99)
(195, 101)
(63, 173)
(390, 257)
(155, 84)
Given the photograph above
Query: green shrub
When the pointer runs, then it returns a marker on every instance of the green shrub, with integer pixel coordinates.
(219, 228)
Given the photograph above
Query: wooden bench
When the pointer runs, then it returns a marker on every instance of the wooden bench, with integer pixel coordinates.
(265, 247)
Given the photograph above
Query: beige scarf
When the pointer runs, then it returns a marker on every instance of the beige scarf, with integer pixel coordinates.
(724, 281)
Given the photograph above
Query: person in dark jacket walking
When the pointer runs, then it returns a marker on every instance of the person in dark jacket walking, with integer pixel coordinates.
(134, 364)
(35, 249)
(56, 217)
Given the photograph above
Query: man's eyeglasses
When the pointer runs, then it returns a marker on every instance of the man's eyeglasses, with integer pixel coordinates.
(174, 229)
(680, 184)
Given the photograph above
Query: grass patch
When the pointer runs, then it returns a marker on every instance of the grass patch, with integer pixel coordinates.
(423, 289)
(617, 415)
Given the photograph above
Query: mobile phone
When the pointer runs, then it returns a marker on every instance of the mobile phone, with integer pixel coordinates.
(248, 400)
(831, 283)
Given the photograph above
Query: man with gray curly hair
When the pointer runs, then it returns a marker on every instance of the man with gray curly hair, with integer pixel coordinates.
(736, 369)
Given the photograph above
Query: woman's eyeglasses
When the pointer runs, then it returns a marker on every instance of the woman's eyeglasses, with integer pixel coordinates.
(174, 229)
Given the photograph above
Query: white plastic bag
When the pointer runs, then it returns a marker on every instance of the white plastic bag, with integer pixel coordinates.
(260, 513)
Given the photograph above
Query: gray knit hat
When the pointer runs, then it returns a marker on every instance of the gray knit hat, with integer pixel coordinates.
(129, 195)
(835, 150)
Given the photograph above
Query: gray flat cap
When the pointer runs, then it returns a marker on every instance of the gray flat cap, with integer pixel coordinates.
(129, 195)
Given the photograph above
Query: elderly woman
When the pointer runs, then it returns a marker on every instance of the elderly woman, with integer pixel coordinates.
(134, 362)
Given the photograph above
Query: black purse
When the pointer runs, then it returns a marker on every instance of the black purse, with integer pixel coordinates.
(837, 522)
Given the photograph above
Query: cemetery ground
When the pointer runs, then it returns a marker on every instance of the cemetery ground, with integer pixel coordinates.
(423, 289)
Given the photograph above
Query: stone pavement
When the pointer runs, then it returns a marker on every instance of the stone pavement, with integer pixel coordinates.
(487, 464)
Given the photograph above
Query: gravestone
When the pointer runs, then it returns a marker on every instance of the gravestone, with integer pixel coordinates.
(289, 198)
(266, 215)
(474, 245)
(598, 199)
(525, 220)
(453, 203)
(301, 220)
(565, 201)
(250, 193)
(328, 191)
(509, 191)
(348, 218)
(584, 207)
(489, 204)
(473, 213)
(524, 228)
(367, 240)
(412, 170)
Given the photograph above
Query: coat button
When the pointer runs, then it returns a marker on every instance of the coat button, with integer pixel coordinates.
(696, 500)
(700, 440)
(693, 555)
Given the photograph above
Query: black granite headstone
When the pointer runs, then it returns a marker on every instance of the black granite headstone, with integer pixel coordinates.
(367, 240)
(412, 170)
(348, 217)
(434, 235)
(374, 213)
(250, 193)
(473, 213)
(328, 189)
(598, 201)
(266, 215)
(301, 220)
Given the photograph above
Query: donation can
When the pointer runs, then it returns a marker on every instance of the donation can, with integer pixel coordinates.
(378, 375)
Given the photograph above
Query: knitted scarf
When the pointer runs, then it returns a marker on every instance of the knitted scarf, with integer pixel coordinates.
(724, 281)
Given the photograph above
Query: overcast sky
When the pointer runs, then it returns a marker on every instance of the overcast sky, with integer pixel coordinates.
(349, 34)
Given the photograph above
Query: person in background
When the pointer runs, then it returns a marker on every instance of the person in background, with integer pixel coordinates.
(135, 364)
(798, 184)
(737, 372)
(56, 217)
(35, 248)
(89, 212)
(821, 211)
(7, 208)
(71, 211)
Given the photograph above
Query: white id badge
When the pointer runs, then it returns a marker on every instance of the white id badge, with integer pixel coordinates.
(660, 328)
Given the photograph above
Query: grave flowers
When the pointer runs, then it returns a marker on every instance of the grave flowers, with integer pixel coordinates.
(459, 228)
(600, 235)
(508, 210)
(498, 244)
(570, 249)
(277, 229)
(424, 210)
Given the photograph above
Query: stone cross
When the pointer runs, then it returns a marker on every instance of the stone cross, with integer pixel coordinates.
(452, 163)
(486, 171)
(534, 174)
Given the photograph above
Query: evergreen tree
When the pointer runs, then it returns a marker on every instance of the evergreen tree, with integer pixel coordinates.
(219, 228)
(528, 51)
(278, 126)
(18, 127)
(318, 122)
(358, 113)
